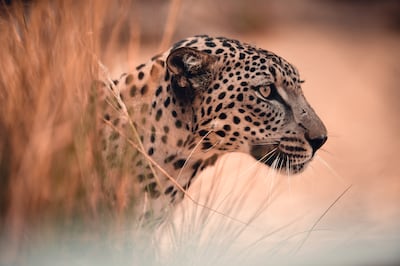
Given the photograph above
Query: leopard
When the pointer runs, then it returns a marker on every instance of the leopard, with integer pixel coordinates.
(174, 116)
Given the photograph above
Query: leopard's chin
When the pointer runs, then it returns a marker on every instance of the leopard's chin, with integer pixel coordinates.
(272, 156)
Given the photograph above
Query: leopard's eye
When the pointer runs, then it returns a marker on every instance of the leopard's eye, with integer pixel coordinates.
(266, 92)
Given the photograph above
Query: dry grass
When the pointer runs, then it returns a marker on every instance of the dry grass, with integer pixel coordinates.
(49, 165)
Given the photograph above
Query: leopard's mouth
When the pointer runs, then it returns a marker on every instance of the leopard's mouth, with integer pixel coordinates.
(276, 158)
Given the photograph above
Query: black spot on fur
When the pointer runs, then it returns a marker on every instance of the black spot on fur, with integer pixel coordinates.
(179, 164)
(168, 190)
(114, 135)
(210, 160)
(128, 79)
(140, 177)
(206, 122)
(207, 145)
(209, 109)
(210, 44)
(220, 133)
(227, 127)
(179, 143)
(151, 189)
(140, 66)
(203, 132)
(132, 91)
(140, 75)
(221, 95)
(144, 90)
(170, 158)
(158, 91)
(158, 114)
(197, 164)
(167, 102)
(178, 123)
(222, 116)
(218, 108)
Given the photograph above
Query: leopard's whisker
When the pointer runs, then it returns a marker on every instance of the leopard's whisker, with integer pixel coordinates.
(256, 163)
(288, 173)
(271, 177)
(327, 166)
(287, 165)
(268, 155)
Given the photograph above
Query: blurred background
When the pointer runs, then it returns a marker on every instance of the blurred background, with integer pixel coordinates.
(347, 51)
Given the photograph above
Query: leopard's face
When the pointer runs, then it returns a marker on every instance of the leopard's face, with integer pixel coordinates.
(249, 100)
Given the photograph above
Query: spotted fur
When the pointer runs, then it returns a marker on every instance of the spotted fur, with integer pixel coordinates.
(202, 98)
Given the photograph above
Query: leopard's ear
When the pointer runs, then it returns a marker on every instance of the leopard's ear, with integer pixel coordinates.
(191, 69)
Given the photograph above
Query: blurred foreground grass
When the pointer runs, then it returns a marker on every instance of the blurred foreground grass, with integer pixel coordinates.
(50, 171)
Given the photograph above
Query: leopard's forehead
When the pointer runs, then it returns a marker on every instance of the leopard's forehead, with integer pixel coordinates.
(235, 54)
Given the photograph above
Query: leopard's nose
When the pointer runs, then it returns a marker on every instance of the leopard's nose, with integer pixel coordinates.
(316, 142)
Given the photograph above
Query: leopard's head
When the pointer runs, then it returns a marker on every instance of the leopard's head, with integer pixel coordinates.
(246, 99)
